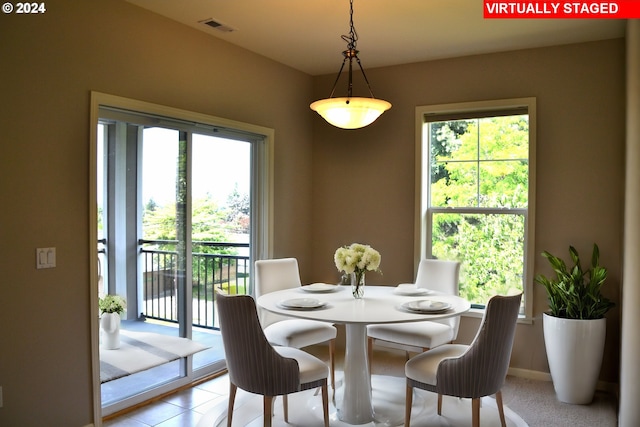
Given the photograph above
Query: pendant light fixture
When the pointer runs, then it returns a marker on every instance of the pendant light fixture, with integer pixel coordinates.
(350, 112)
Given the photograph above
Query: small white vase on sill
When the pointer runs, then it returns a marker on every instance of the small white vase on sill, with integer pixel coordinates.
(110, 323)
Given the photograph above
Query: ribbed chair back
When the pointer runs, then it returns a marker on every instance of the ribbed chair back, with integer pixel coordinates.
(482, 369)
(469, 371)
(252, 362)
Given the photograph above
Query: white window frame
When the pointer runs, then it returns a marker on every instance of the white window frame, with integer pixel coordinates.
(422, 246)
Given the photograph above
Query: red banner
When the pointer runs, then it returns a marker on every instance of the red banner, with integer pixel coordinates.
(621, 9)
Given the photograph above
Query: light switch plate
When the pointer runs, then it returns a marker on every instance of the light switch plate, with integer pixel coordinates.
(45, 257)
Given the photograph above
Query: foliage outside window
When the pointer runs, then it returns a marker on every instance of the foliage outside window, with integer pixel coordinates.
(215, 224)
(477, 178)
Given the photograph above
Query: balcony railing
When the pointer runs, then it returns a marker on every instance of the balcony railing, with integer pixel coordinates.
(214, 265)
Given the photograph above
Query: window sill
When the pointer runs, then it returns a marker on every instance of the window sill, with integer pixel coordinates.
(478, 313)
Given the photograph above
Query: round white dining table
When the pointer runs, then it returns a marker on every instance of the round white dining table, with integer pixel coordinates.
(380, 304)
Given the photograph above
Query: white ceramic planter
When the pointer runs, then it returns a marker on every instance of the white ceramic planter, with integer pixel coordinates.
(574, 351)
(110, 323)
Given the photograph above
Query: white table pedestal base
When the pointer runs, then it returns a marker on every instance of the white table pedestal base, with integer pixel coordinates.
(356, 406)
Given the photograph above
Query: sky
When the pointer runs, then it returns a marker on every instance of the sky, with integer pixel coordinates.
(218, 165)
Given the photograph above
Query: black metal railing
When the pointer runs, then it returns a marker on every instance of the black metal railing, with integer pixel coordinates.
(214, 265)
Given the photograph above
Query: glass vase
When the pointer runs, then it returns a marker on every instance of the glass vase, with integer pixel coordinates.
(357, 285)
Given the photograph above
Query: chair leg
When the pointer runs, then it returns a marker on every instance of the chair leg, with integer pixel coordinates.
(268, 410)
(408, 402)
(285, 407)
(475, 412)
(370, 351)
(325, 404)
(503, 422)
(232, 398)
(439, 404)
(332, 362)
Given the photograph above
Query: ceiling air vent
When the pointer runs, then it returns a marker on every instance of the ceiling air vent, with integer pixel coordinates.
(217, 25)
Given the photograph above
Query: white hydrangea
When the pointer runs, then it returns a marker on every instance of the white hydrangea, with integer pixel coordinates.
(357, 258)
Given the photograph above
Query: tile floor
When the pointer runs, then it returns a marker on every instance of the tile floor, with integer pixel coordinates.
(205, 405)
(204, 401)
(182, 409)
(186, 408)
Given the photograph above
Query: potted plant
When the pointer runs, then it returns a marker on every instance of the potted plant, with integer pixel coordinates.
(111, 307)
(575, 326)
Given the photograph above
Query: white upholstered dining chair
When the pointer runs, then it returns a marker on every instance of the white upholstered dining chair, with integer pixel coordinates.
(283, 273)
(436, 275)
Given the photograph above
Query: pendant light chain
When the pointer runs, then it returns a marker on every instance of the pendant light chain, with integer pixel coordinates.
(352, 40)
(350, 112)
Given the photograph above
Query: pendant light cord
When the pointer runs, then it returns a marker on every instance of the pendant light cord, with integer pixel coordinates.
(352, 38)
(350, 54)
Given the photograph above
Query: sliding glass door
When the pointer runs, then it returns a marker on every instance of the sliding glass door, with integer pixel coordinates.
(178, 206)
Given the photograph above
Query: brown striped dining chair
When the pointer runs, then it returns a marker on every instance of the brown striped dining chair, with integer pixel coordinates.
(257, 367)
(469, 371)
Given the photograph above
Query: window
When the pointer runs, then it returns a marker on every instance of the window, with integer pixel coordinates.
(477, 193)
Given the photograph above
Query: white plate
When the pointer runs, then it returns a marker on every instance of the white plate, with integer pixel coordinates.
(320, 287)
(426, 306)
(302, 303)
(410, 289)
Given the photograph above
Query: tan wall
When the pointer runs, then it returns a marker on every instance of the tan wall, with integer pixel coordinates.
(48, 66)
(361, 188)
(363, 181)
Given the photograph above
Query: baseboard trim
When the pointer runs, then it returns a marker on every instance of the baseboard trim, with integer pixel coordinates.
(529, 374)
(605, 386)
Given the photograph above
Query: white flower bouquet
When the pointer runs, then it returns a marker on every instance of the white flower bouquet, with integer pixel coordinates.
(112, 304)
(356, 259)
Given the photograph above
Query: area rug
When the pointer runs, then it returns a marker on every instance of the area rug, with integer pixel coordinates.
(143, 350)
(305, 408)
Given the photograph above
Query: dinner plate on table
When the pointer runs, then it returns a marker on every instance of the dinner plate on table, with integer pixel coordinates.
(320, 288)
(426, 306)
(409, 289)
(302, 304)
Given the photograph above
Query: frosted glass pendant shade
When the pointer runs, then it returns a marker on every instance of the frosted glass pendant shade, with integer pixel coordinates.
(350, 113)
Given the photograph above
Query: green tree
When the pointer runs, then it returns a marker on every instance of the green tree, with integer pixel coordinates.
(208, 225)
(238, 210)
(481, 163)
(444, 138)
(487, 166)
(151, 205)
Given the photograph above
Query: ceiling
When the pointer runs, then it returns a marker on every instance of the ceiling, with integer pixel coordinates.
(305, 34)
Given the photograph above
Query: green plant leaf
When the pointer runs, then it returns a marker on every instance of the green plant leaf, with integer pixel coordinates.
(575, 293)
